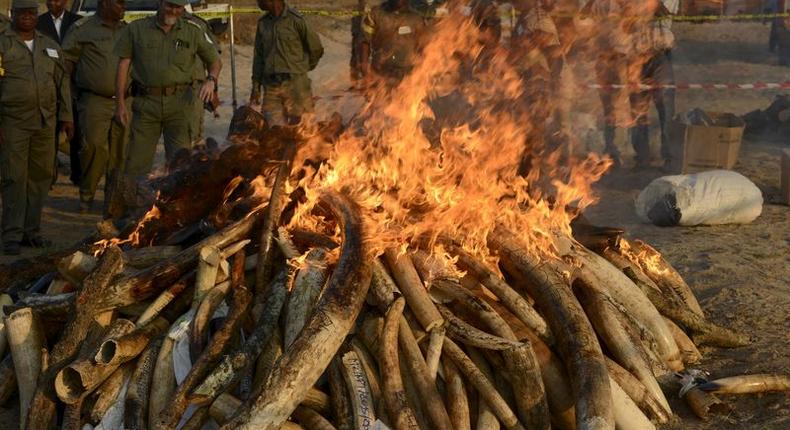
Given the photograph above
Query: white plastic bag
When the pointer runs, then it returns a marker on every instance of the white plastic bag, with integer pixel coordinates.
(714, 197)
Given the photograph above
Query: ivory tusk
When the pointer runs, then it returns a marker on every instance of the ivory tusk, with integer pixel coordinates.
(637, 391)
(457, 399)
(116, 351)
(747, 384)
(209, 258)
(688, 350)
(163, 383)
(412, 288)
(26, 341)
(392, 382)
(704, 404)
(224, 408)
(358, 386)
(463, 332)
(81, 377)
(311, 419)
(108, 391)
(306, 289)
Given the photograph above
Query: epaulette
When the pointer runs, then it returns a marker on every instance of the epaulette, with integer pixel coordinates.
(295, 12)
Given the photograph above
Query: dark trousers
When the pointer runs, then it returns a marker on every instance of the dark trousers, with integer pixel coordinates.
(657, 71)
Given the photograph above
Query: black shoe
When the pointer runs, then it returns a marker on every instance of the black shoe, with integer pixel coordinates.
(36, 242)
(12, 248)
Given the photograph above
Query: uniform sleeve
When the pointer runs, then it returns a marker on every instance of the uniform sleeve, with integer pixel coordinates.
(206, 49)
(71, 48)
(63, 85)
(124, 47)
(257, 58)
(312, 44)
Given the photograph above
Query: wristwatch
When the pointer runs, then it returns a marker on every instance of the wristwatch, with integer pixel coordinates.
(212, 79)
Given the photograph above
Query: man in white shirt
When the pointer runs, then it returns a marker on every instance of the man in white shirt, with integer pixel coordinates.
(56, 22)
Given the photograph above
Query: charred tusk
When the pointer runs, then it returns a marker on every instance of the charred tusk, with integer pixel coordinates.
(165, 298)
(114, 352)
(138, 394)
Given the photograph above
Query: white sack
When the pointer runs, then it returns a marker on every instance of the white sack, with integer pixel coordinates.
(714, 197)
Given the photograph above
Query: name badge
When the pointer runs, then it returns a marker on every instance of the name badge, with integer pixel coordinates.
(53, 53)
(404, 30)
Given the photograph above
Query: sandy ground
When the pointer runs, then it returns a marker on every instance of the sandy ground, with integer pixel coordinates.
(740, 273)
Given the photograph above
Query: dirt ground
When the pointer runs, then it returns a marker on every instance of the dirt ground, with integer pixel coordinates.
(741, 274)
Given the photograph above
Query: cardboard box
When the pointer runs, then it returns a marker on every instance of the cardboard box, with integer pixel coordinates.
(786, 176)
(707, 143)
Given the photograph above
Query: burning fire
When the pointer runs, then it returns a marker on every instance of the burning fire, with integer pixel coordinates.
(467, 183)
(647, 259)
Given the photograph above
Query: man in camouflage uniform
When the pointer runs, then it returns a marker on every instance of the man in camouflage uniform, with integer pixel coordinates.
(33, 85)
(88, 50)
(393, 34)
(162, 51)
(286, 48)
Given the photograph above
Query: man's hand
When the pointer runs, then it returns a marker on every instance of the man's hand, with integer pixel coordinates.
(68, 128)
(207, 90)
(255, 95)
(121, 115)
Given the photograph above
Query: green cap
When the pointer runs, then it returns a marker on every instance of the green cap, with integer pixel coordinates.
(178, 2)
(24, 4)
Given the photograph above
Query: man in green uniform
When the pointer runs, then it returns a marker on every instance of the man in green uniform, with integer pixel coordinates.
(162, 51)
(393, 34)
(88, 50)
(33, 85)
(286, 48)
(199, 77)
